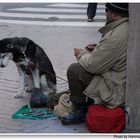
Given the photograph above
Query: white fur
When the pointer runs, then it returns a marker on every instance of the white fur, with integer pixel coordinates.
(22, 83)
(44, 85)
(5, 58)
(35, 78)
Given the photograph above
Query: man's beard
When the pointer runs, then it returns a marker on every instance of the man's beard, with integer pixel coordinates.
(108, 20)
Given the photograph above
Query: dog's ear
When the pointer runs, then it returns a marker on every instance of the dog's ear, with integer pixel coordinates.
(5, 45)
(4, 42)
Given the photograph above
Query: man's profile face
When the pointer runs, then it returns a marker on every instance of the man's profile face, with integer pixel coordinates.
(109, 16)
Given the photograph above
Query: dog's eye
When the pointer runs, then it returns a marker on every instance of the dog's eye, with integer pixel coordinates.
(4, 55)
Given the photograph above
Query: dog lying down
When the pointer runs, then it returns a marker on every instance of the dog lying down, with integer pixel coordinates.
(30, 60)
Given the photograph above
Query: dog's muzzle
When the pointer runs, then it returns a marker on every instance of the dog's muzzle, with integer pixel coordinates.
(2, 66)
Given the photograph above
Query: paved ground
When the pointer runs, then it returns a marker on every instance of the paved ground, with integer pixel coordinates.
(58, 42)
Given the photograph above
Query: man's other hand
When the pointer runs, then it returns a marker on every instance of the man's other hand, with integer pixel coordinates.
(77, 51)
(90, 47)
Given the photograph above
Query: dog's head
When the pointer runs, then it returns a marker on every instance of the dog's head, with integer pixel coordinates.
(5, 52)
(12, 49)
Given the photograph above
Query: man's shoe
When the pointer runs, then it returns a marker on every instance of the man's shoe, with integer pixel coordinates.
(74, 117)
(90, 19)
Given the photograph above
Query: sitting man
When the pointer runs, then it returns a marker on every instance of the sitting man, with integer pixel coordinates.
(99, 77)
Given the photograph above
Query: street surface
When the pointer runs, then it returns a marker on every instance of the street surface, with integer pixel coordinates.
(57, 28)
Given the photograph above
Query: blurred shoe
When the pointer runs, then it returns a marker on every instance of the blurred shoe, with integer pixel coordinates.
(90, 19)
(75, 117)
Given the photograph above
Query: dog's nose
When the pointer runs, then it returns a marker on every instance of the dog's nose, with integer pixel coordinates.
(2, 66)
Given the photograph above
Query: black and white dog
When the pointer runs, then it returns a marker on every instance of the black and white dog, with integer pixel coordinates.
(30, 60)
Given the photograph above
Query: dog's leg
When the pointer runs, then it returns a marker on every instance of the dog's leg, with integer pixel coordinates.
(44, 85)
(29, 83)
(47, 86)
(22, 82)
(36, 77)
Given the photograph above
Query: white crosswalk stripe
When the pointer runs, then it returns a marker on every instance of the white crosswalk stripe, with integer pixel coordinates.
(47, 16)
(57, 14)
(62, 10)
(75, 5)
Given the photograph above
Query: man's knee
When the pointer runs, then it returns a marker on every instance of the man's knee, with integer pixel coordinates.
(73, 69)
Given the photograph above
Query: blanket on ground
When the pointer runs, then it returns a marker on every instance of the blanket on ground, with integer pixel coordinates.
(36, 114)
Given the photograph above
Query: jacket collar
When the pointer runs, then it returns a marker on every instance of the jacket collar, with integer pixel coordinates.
(112, 25)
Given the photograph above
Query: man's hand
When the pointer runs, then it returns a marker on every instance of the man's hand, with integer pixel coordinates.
(76, 51)
(90, 47)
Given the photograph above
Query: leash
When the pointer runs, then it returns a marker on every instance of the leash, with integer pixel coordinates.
(50, 73)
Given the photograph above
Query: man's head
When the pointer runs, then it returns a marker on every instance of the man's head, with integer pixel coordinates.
(115, 11)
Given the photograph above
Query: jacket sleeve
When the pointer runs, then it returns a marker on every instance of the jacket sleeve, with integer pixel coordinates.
(102, 58)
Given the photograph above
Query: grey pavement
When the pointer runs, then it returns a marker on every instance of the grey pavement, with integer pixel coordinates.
(58, 42)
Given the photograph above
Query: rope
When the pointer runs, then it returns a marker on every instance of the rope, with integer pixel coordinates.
(48, 72)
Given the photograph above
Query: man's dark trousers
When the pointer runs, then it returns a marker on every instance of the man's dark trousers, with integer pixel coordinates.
(78, 80)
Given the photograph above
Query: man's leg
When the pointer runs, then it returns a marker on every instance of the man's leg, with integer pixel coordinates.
(78, 80)
(72, 107)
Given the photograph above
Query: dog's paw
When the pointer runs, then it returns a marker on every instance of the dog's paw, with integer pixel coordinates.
(19, 96)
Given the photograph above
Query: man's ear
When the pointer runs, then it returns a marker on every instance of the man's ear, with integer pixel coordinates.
(114, 14)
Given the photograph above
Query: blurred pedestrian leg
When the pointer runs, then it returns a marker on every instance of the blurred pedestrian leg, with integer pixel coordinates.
(91, 11)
